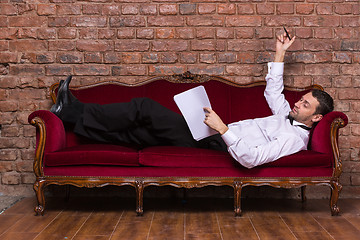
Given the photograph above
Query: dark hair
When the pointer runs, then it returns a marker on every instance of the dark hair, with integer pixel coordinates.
(326, 102)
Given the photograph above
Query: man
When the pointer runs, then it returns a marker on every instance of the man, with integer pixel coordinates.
(251, 142)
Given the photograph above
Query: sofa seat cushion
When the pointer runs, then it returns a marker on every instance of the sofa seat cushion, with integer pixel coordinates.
(166, 156)
(93, 154)
(170, 156)
(303, 159)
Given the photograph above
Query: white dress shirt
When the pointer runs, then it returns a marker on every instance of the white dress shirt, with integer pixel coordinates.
(262, 140)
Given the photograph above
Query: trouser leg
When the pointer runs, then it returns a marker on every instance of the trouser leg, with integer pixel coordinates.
(142, 121)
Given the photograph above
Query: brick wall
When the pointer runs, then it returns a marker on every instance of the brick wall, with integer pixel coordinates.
(42, 41)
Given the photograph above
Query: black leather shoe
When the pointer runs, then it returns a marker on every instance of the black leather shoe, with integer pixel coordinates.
(63, 97)
(71, 96)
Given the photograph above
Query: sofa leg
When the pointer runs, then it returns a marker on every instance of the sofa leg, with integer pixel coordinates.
(139, 186)
(39, 186)
(335, 191)
(303, 194)
(237, 198)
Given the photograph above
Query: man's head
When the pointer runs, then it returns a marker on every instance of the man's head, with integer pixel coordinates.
(312, 107)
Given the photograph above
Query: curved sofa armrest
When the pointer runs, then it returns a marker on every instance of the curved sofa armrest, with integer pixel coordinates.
(50, 136)
(324, 138)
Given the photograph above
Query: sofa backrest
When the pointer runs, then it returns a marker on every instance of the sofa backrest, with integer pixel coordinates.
(232, 101)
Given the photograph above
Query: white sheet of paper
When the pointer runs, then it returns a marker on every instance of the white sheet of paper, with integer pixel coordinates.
(191, 104)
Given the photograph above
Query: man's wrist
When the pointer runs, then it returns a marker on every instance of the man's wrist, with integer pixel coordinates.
(279, 56)
(223, 130)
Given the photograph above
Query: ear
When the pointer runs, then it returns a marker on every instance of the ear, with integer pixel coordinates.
(316, 118)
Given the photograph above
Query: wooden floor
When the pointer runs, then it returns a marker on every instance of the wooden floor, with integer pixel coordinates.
(114, 218)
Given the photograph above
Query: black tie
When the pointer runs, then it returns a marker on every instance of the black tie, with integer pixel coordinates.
(302, 126)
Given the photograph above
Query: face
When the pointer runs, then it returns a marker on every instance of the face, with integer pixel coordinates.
(304, 110)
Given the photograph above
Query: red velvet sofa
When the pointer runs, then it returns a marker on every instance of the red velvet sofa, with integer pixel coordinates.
(62, 158)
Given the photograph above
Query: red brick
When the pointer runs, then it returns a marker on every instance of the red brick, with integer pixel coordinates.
(169, 57)
(129, 58)
(203, 45)
(240, 45)
(125, 33)
(88, 33)
(66, 33)
(10, 178)
(349, 93)
(106, 33)
(226, 9)
(350, 45)
(150, 58)
(8, 33)
(8, 57)
(188, 57)
(344, 33)
(320, 45)
(3, 21)
(324, 9)
(27, 21)
(303, 32)
(166, 69)
(167, 45)
(323, 33)
(148, 9)
(342, 81)
(8, 82)
(304, 8)
(8, 9)
(4, 69)
(322, 57)
(168, 9)
(137, 70)
(145, 33)
(226, 33)
(46, 9)
(244, 33)
(68, 9)
(301, 81)
(187, 9)
(94, 46)
(87, 21)
(24, 33)
(322, 69)
(112, 9)
(132, 45)
(69, 57)
(205, 33)
(342, 57)
(165, 33)
(128, 21)
(244, 69)
(8, 106)
(277, 21)
(342, 9)
(210, 69)
(184, 33)
(112, 57)
(92, 9)
(58, 70)
(321, 21)
(46, 33)
(350, 21)
(246, 9)
(206, 8)
(207, 58)
(166, 21)
(265, 9)
(61, 45)
(227, 58)
(92, 57)
(33, 70)
(285, 8)
(8, 155)
(130, 9)
(353, 69)
(264, 33)
(10, 130)
(27, 178)
(92, 70)
(243, 21)
(59, 21)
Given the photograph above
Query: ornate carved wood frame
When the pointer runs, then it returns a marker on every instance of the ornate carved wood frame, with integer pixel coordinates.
(139, 183)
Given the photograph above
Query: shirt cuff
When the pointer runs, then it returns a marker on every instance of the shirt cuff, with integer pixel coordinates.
(229, 137)
(276, 68)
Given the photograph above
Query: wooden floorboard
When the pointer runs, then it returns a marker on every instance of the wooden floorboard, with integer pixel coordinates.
(94, 218)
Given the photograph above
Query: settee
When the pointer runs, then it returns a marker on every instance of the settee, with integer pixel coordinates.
(63, 158)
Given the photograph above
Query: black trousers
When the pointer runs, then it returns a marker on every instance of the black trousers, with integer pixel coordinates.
(141, 121)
